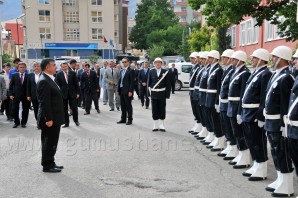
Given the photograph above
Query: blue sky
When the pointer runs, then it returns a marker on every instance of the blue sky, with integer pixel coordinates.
(10, 9)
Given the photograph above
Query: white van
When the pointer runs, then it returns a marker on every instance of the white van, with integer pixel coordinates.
(183, 74)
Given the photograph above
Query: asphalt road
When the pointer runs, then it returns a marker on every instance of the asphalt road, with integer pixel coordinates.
(103, 159)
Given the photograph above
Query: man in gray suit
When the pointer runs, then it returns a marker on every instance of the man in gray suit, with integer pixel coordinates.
(111, 77)
(103, 83)
(3, 91)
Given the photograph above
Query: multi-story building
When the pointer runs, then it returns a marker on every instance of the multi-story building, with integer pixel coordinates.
(74, 28)
(185, 13)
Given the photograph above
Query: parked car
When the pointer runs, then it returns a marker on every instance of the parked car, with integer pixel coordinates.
(183, 69)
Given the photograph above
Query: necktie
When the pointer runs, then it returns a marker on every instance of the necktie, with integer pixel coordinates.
(88, 74)
(145, 71)
(66, 77)
(112, 72)
(22, 80)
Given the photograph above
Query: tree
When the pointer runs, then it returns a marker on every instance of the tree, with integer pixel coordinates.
(200, 38)
(93, 59)
(6, 58)
(222, 13)
(156, 51)
(151, 15)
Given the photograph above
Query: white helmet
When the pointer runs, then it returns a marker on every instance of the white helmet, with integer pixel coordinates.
(193, 55)
(204, 54)
(296, 54)
(157, 60)
(199, 54)
(262, 54)
(240, 55)
(282, 52)
(214, 54)
(228, 53)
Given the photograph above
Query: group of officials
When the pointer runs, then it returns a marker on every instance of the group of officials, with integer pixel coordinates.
(244, 108)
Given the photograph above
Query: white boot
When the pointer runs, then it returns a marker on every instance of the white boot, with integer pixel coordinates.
(193, 128)
(213, 143)
(244, 160)
(209, 139)
(231, 155)
(198, 128)
(162, 126)
(220, 144)
(203, 133)
(155, 125)
(271, 187)
(226, 150)
(260, 172)
(250, 171)
(286, 185)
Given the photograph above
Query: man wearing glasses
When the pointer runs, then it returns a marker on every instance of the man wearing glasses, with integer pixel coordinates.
(125, 90)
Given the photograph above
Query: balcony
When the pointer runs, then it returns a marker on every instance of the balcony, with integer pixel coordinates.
(183, 23)
(183, 13)
(196, 14)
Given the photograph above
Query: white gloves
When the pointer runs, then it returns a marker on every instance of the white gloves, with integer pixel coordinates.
(283, 131)
(239, 120)
(261, 124)
(217, 108)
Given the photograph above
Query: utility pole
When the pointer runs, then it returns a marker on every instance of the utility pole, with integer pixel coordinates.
(1, 48)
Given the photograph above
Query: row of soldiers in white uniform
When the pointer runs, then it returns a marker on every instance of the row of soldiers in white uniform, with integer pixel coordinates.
(244, 109)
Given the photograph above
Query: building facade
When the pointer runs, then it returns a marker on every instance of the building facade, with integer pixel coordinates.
(185, 13)
(73, 28)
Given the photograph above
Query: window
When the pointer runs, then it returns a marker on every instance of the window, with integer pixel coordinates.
(183, 9)
(96, 33)
(44, 1)
(45, 33)
(255, 37)
(71, 34)
(96, 17)
(116, 2)
(186, 68)
(70, 2)
(44, 15)
(116, 17)
(71, 17)
(96, 2)
(182, 19)
(116, 33)
(71, 52)
(271, 31)
(242, 34)
(23, 53)
(232, 33)
(248, 32)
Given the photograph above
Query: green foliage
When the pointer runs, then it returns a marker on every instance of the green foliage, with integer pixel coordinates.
(93, 59)
(151, 16)
(222, 13)
(200, 38)
(156, 51)
(6, 58)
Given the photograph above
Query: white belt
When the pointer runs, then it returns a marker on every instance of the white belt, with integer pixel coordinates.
(250, 106)
(191, 88)
(234, 99)
(203, 90)
(271, 117)
(293, 123)
(223, 100)
(211, 91)
(197, 87)
(158, 90)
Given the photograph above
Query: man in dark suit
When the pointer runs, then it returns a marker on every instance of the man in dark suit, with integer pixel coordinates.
(159, 88)
(125, 90)
(50, 115)
(142, 79)
(69, 87)
(31, 87)
(136, 83)
(174, 76)
(91, 88)
(17, 92)
(81, 99)
(96, 69)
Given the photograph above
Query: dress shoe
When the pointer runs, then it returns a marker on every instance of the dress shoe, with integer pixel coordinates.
(87, 113)
(269, 189)
(66, 125)
(15, 125)
(147, 107)
(154, 130)
(173, 93)
(232, 163)
(162, 130)
(59, 167)
(38, 127)
(190, 131)
(118, 109)
(1, 113)
(221, 154)
(23, 125)
(121, 122)
(246, 174)
(229, 158)
(129, 122)
(83, 107)
(77, 123)
(98, 111)
(142, 104)
(241, 166)
(104, 103)
(195, 133)
(52, 170)
(111, 109)
(256, 178)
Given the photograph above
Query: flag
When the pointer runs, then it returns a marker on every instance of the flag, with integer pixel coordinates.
(111, 43)
(105, 40)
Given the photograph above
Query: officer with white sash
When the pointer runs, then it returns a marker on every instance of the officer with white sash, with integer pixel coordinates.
(200, 108)
(276, 107)
(253, 103)
(212, 100)
(159, 88)
(231, 150)
(292, 120)
(192, 78)
(236, 91)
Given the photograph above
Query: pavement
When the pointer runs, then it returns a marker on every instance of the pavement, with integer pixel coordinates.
(105, 159)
